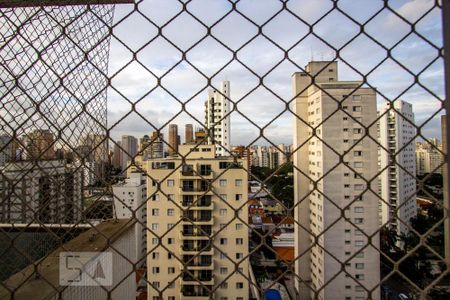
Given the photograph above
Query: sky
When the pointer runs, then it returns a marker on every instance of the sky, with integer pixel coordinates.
(135, 82)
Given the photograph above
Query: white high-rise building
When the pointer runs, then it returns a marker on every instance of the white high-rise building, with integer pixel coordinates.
(330, 182)
(130, 203)
(217, 119)
(398, 188)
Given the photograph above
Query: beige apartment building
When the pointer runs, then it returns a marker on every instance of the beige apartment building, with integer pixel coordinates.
(333, 155)
(195, 237)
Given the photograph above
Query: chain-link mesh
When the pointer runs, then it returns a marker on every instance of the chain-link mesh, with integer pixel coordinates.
(309, 166)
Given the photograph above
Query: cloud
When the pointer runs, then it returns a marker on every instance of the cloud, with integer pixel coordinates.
(209, 57)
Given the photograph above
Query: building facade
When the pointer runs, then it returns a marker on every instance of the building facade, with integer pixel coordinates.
(41, 192)
(397, 165)
(129, 150)
(217, 118)
(130, 199)
(191, 215)
(174, 139)
(332, 156)
(429, 157)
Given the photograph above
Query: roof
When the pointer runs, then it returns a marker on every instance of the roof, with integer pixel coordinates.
(288, 220)
(285, 253)
(27, 286)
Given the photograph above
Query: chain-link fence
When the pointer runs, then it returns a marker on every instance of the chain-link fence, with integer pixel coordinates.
(310, 165)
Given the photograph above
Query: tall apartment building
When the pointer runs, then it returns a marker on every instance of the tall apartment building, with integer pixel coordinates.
(217, 120)
(174, 139)
(329, 183)
(189, 134)
(191, 217)
(43, 191)
(397, 159)
(130, 199)
(129, 145)
(39, 144)
(429, 157)
(117, 155)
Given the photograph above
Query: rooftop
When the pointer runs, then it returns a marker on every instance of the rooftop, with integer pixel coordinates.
(28, 286)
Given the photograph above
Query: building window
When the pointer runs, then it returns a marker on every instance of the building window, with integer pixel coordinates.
(239, 255)
(359, 276)
(239, 241)
(223, 270)
(223, 241)
(359, 220)
(170, 182)
(223, 197)
(170, 241)
(359, 209)
(155, 197)
(156, 284)
(357, 153)
(155, 270)
(238, 182)
(224, 285)
(223, 212)
(358, 164)
(155, 212)
(155, 226)
(170, 225)
(155, 255)
(154, 241)
(359, 266)
(223, 182)
(357, 108)
(171, 270)
(356, 97)
(170, 212)
(239, 285)
(357, 130)
(239, 226)
(238, 197)
(359, 187)
(359, 243)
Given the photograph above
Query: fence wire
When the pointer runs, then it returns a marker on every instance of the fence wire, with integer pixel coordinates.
(77, 82)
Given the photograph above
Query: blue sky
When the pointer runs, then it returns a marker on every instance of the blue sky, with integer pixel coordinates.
(159, 107)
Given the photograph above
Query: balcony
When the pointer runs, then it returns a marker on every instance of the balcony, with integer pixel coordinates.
(193, 292)
(194, 250)
(199, 204)
(199, 278)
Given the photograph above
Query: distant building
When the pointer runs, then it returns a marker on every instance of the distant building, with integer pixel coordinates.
(217, 118)
(189, 134)
(39, 145)
(398, 187)
(429, 157)
(47, 192)
(8, 148)
(117, 155)
(129, 150)
(152, 147)
(173, 139)
(200, 136)
(130, 203)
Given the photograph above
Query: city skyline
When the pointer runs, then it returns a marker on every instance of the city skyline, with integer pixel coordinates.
(134, 82)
